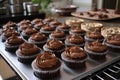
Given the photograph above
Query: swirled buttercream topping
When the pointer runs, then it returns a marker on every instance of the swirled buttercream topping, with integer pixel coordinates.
(94, 34)
(58, 34)
(96, 46)
(54, 44)
(46, 60)
(28, 49)
(38, 37)
(14, 40)
(75, 52)
(76, 39)
(29, 31)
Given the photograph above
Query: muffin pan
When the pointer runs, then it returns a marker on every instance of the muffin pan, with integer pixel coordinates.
(26, 73)
(93, 15)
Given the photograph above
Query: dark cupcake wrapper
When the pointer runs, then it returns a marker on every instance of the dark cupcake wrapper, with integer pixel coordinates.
(111, 45)
(96, 53)
(61, 39)
(71, 60)
(81, 34)
(35, 42)
(37, 69)
(72, 44)
(19, 55)
(60, 50)
(90, 39)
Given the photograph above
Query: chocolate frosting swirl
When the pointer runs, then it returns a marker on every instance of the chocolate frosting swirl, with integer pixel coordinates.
(55, 22)
(14, 40)
(9, 24)
(96, 34)
(24, 22)
(29, 31)
(58, 34)
(38, 37)
(74, 39)
(28, 49)
(39, 25)
(114, 39)
(46, 60)
(96, 46)
(54, 44)
(64, 26)
(75, 52)
(24, 26)
(8, 32)
(47, 28)
(36, 20)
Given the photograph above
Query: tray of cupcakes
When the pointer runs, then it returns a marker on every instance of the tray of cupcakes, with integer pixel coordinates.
(61, 50)
(98, 14)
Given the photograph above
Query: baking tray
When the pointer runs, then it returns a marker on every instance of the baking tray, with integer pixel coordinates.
(111, 15)
(26, 73)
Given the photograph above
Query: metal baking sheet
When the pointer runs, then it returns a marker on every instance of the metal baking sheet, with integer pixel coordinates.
(26, 73)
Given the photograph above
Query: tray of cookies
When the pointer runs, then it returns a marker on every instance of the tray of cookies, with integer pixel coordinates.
(100, 14)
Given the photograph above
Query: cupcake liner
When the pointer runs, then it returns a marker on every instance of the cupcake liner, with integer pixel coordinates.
(71, 44)
(113, 48)
(56, 52)
(60, 50)
(80, 34)
(61, 39)
(111, 45)
(90, 39)
(35, 42)
(19, 55)
(95, 53)
(75, 64)
(37, 69)
(47, 75)
(46, 32)
(71, 60)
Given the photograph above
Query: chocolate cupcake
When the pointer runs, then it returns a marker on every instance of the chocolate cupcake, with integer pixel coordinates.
(57, 34)
(36, 20)
(46, 29)
(55, 23)
(6, 33)
(39, 25)
(23, 27)
(74, 39)
(27, 52)
(28, 32)
(96, 49)
(77, 30)
(48, 20)
(38, 38)
(113, 42)
(74, 57)
(13, 42)
(64, 27)
(94, 35)
(25, 21)
(55, 46)
(46, 66)
(10, 24)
